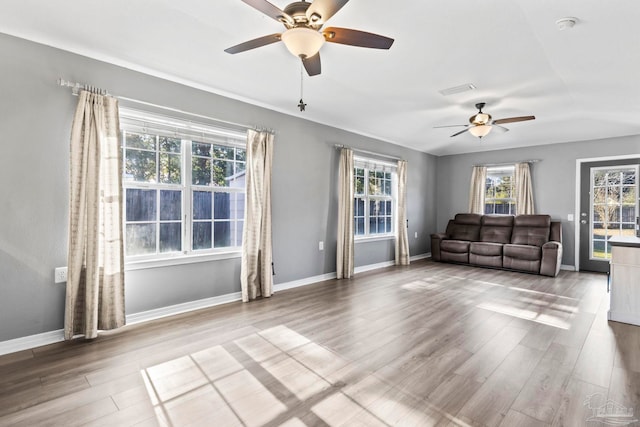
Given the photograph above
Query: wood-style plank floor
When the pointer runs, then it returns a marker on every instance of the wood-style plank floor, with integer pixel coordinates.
(429, 344)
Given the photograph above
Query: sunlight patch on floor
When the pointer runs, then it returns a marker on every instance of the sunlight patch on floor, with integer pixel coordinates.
(253, 379)
(533, 316)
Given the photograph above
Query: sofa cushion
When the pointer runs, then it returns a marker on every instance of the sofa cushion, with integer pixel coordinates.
(485, 254)
(496, 228)
(468, 219)
(522, 257)
(521, 264)
(523, 252)
(455, 246)
(486, 248)
(454, 251)
(531, 230)
(464, 227)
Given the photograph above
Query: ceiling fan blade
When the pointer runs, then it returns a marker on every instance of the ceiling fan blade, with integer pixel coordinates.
(461, 132)
(448, 126)
(312, 64)
(500, 128)
(270, 10)
(321, 10)
(356, 38)
(513, 120)
(252, 44)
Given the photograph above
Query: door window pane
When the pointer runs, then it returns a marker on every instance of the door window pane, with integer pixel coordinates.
(613, 207)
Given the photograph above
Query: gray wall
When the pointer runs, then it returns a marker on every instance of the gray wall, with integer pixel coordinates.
(35, 121)
(554, 179)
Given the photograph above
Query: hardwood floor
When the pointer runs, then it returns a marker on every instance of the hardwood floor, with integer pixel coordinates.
(424, 345)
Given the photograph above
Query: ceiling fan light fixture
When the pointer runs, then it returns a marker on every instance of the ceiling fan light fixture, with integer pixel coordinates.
(303, 42)
(480, 130)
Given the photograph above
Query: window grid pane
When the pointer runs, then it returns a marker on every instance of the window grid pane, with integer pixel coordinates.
(373, 201)
(154, 194)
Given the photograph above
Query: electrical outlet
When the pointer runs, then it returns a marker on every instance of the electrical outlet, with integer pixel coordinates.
(321, 246)
(60, 275)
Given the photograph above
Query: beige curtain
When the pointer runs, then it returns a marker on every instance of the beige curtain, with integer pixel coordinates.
(344, 251)
(477, 190)
(255, 272)
(95, 285)
(524, 191)
(402, 239)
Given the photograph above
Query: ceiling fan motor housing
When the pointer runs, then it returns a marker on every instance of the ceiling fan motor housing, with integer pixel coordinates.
(480, 118)
(298, 11)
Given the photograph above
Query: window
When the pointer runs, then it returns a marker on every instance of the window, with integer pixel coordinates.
(184, 186)
(499, 197)
(613, 206)
(374, 198)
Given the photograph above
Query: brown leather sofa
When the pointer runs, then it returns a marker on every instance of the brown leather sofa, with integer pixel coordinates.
(531, 243)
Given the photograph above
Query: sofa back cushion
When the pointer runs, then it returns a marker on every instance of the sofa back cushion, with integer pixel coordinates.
(531, 230)
(496, 228)
(464, 227)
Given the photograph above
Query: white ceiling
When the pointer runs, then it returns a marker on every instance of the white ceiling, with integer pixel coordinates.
(581, 84)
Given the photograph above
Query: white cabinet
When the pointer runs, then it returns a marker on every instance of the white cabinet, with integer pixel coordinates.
(625, 280)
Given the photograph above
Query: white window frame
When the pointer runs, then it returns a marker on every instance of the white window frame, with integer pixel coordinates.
(187, 131)
(499, 170)
(636, 169)
(373, 165)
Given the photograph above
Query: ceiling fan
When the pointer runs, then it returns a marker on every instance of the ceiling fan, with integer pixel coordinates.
(480, 124)
(303, 36)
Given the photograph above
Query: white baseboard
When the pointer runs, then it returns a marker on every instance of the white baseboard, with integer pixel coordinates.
(568, 267)
(303, 282)
(45, 338)
(31, 341)
(384, 264)
(171, 310)
(370, 267)
(421, 256)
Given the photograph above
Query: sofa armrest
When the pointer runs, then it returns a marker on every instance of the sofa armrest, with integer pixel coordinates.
(436, 238)
(551, 259)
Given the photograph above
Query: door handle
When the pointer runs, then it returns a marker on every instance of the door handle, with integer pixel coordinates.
(583, 221)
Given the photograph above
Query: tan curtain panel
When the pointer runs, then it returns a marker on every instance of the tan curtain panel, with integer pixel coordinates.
(477, 189)
(524, 189)
(95, 285)
(255, 272)
(344, 251)
(402, 238)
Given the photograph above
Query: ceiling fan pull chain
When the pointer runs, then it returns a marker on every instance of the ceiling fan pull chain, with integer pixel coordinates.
(301, 104)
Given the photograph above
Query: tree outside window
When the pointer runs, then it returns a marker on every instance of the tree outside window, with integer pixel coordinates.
(500, 191)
